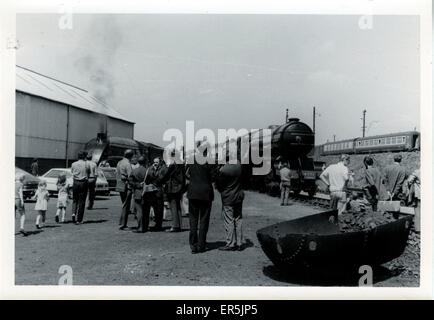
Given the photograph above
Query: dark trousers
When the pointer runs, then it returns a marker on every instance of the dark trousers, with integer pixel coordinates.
(156, 202)
(91, 186)
(175, 208)
(142, 215)
(79, 194)
(199, 214)
(126, 207)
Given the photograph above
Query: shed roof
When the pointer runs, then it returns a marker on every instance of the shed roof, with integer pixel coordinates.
(34, 83)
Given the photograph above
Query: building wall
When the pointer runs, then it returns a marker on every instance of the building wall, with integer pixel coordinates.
(41, 131)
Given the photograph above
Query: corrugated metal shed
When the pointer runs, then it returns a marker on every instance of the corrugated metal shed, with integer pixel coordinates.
(36, 84)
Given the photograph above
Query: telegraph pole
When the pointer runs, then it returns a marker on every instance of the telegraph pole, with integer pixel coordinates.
(334, 138)
(313, 123)
(287, 115)
(364, 123)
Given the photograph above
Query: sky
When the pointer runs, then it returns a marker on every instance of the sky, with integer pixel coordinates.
(235, 71)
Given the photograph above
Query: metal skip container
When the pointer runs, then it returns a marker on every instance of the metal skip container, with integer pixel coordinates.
(314, 242)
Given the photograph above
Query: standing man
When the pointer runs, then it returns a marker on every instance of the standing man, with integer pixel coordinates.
(372, 182)
(394, 178)
(174, 180)
(135, 180)
(92, 180)
(34, 167)
(80, 173)
(285, 183)
(413, 183)
(336, 177)
(200, 194)
(156, 201)
(229, 183)
(123, 171)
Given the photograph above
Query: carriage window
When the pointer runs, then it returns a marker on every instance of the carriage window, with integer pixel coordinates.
(370, 142)
(388, 140)
(403, 139)
(393, 140)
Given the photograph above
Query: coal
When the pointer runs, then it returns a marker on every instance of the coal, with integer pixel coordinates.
(350, 221)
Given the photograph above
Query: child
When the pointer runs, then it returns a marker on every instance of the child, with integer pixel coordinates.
(19, 202)
(62, 197)
(41, 197)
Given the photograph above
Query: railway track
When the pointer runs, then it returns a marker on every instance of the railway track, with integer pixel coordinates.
(318, 200)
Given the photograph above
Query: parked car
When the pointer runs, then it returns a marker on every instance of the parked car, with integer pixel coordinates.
(110, 175)
(51, 176)
(30, 184)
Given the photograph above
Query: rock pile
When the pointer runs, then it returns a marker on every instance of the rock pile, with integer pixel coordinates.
(357, 221)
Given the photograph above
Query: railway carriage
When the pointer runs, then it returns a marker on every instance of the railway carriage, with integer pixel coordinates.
(401, 141)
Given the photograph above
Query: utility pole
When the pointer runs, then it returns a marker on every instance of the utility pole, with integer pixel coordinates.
(287, 115)
(364, 123)
(313, 123)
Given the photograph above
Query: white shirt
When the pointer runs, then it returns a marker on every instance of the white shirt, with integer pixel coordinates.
(336, 175)
(92, 168)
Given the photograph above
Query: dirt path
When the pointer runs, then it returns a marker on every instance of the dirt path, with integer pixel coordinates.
(100, 254)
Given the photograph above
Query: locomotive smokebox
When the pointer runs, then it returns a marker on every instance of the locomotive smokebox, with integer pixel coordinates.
(292, 139)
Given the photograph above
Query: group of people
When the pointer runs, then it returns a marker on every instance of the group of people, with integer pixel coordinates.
(398, 185)
(150, 186)
(84, 173)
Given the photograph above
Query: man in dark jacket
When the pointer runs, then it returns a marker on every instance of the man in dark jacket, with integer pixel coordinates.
(155, 199)
(229, 183)
(174, 180)
(136, 182)
(395, 176)
(200, 194)
(372, 182)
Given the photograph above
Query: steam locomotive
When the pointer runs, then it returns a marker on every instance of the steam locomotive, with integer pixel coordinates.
(291, 142)
(109, 150)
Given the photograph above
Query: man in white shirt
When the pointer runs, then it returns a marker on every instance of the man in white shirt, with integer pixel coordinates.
(336, 177)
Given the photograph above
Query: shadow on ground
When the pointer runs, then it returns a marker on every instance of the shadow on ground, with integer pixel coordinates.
(95, 221)
(328, 277)
(29, 233)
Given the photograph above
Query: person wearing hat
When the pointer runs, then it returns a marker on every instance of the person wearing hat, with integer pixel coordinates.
(123, 171)
(394, 178)
(135, 180)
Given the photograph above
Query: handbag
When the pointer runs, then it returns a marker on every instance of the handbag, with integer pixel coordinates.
(148, 188)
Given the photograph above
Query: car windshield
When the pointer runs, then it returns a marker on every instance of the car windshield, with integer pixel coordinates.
(57, 173)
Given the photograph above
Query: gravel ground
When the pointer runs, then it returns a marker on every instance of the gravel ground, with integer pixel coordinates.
(100, 254)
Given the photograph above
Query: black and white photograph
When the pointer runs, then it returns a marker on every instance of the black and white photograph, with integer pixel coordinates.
(220, 149)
